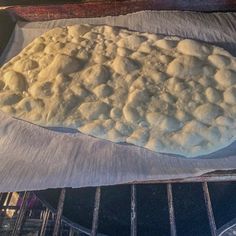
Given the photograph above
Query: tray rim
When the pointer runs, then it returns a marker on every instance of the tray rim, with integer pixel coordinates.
(100, 8)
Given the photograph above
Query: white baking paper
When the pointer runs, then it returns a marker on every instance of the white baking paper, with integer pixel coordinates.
(34, 158)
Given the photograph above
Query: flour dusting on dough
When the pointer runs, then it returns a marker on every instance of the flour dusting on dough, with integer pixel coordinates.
(166, 94)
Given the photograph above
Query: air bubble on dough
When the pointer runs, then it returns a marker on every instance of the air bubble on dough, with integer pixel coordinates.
(165, 94)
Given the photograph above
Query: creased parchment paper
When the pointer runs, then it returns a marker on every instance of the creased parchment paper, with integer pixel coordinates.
(34, 158)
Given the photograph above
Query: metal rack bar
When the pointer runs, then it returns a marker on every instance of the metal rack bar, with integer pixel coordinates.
(96, 211)
(21, 216)
(171, 210)
(71, 232)
(9, 208)
(209, 209)
(60, 206)
(2, 200)
(1, 197)
(203, 178)
(8, 199)
(45, 222)
(133, 230)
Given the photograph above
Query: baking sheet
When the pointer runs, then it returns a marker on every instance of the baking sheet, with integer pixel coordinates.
(34, 158)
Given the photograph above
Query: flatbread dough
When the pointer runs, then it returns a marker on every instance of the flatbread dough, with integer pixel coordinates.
(163, 93)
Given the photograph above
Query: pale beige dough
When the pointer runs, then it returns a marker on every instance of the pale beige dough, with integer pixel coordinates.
(166, 94)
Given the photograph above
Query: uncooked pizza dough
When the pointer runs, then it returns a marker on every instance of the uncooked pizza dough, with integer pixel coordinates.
(163, 93)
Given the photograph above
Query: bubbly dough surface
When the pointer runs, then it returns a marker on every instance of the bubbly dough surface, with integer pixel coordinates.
(166, 94)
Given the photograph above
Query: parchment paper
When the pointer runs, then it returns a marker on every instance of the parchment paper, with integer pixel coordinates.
(34, 158)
